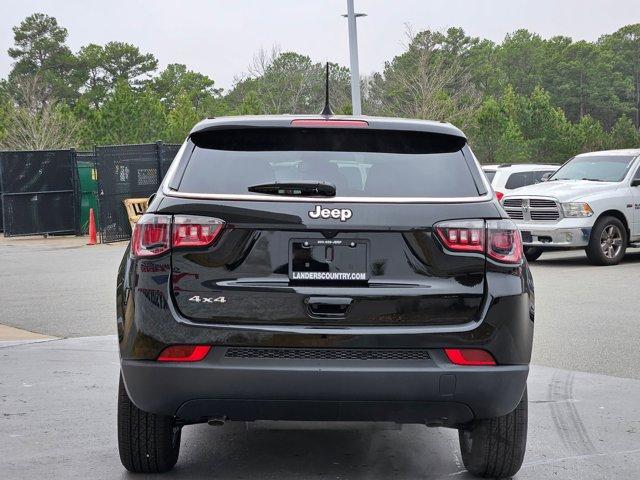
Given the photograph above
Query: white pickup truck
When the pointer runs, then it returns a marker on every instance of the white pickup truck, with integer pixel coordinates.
(591, 202)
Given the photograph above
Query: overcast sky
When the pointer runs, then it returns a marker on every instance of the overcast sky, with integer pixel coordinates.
(219, 37)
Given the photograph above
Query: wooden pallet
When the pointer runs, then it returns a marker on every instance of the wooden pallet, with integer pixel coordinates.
(135, 208)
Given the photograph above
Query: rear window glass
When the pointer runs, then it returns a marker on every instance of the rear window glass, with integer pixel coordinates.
(522, 179)
(358, 162)
(490, 174)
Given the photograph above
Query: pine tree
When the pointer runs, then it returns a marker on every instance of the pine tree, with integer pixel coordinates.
(588, 135)
(181, 119)
(128, 116)
(251, 104)
(624, 135)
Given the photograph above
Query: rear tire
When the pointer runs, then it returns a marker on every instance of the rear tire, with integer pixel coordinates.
(148, 443)
(608, 242)
(495, 447)
(532, 253)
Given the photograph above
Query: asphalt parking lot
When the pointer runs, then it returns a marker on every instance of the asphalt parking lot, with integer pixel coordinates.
(57, 395)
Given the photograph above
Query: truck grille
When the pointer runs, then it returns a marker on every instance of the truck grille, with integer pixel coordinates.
(541, 203)
(327, 353)
(513, 202)
(513, 207)
(532, 209)
(515, 214)
(544, 215)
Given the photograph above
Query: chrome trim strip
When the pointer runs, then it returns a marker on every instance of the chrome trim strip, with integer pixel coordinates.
(485, 181)
(168, 177)
(273, 198)
(334, 330)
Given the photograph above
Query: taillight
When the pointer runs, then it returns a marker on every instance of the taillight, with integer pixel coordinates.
(192, 231)
(499, 195)
(184, 353)
(157, 234)
(151, 235)
(471, 357)
(504, 243)
(462, 236)
(498, 239)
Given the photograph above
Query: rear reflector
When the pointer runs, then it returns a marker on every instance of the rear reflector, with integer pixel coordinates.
(329, 123)
(184, 353)
(469, 356)
(499, 195)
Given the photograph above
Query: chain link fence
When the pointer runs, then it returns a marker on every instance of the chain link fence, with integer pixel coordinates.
(127, 171)
(51, 191)
(39, 192)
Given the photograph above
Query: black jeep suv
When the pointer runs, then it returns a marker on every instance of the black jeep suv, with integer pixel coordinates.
(325, 268)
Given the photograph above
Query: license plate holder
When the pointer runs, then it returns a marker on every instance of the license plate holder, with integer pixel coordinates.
(328, 260)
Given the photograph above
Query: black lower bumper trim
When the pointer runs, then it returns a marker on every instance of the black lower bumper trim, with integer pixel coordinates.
(448, 414)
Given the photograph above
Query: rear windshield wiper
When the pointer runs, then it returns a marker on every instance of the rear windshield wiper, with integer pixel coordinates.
(302, 188)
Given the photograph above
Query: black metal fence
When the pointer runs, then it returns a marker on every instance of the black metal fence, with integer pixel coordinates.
(39, 192)
(127, 171)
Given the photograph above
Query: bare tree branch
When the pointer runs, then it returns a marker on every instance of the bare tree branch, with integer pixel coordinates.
(35, 122)
(425, 83)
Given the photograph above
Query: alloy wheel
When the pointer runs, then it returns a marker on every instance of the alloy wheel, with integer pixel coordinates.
(611, 241)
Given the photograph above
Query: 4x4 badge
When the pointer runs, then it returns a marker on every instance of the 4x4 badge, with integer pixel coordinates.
(343, 214)
(199, 299)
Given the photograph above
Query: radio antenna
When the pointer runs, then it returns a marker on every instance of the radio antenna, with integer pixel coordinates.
(327, 107)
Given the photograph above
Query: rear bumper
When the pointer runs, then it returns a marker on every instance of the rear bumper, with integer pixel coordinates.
(432, 391)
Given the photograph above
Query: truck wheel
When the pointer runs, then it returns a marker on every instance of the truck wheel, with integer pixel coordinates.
(608, 242)
(532, 253)
(495, 447)
(148, 443)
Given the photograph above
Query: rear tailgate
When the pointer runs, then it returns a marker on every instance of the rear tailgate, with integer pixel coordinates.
(364, 256)
(246, 276)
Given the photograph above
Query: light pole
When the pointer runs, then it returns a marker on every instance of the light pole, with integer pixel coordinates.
(353, 56)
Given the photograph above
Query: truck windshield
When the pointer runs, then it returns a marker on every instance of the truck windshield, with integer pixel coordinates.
(606, 168)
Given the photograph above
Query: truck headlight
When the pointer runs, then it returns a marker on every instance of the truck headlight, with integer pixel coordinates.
(576, 209)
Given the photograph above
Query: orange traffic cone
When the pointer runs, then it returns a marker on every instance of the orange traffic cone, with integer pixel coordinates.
(92, 229)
